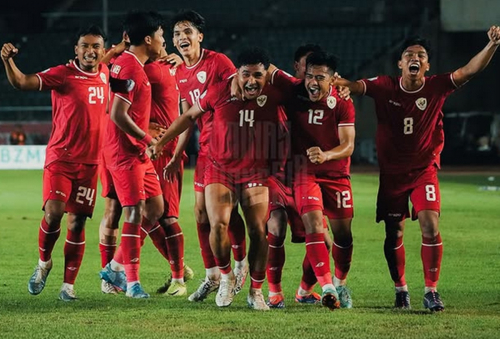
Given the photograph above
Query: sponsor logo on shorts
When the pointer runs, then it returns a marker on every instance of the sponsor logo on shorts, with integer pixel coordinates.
(312, 198)
(394, 214)
(253, 184)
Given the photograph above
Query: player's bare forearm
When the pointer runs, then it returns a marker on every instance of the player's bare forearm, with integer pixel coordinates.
(480, 61)
(355, 87)
(18, 79)
(346, 148)
(183, 141)
(126, 124)
(179, 125)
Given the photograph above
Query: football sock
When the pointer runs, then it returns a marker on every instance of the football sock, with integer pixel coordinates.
(275, 262)
(319, 258)
(107, 252)
(342, 256)
(204, 240)
(74, 247)
(431, 253)
(174, 239)
(47, 237)
(308, 276)
(394, 251)
(257, 279)
(131, 242)
(236, 231)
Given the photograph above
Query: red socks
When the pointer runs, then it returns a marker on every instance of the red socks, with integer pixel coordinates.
(47, 238)
(342, 256)
(237, 236)
(175, 243)
(394, 251)
(275, 262)
(431, 253)
(74, 247)
(131, 250)
(204, 239)
(319, 257)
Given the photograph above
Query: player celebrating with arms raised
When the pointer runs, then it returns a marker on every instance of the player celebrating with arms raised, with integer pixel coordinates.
(79, 98)
(409, 142)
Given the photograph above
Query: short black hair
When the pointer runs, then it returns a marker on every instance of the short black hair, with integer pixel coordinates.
(416, 40)
(322, 59)
(90, 30)
(306, 49)
(253, 56)
(191, 16)
(139, 24)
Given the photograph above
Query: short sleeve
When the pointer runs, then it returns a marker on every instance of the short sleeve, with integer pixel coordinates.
(52, 78)
(374, 87)
(225, 67)
(347, 113)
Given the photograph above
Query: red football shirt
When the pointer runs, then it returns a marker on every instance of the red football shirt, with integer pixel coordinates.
(410, 124)
(121, 149)
(165, 97)
(243, 131)
(79, 102)
(194, 80)
(316, 124)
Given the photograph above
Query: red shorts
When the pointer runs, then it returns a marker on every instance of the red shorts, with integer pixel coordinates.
(72, 183)
(333, 196)
(420, 186)
(108, 188)
(281, 196)
(216, 175)
(171, 189)
(135, 183)
(199, 172)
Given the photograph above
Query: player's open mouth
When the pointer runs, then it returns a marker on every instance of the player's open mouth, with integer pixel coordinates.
(414, 68)
(184, 45)
(251, 89)
(313, 90)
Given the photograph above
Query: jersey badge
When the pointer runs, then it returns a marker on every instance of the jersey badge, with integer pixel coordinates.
(202, 76)
(172, 71)
(331, 102)
(103, 78)
(261, 100)
(421, 103)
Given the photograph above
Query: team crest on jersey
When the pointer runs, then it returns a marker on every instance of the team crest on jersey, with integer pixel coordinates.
(202, 76)
(421, 103)
(331, 102)
(103, 78)
(172, 71)
(261, 101)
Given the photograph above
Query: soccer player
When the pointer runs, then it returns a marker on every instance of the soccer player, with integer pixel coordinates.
(79, 98)
(133, 175)
(201, 69)
(322, 128)
(409, 142)
(239, 165)
(164, 96)
(164, 110)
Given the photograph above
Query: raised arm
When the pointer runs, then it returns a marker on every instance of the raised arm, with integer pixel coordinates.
(25, 82)
(480, 60)
(355, 87)
(346, 136)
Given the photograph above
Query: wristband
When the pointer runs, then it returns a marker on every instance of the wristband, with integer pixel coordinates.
(146, 139)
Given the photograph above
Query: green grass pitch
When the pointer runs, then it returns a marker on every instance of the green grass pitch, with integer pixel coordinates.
(470, 278)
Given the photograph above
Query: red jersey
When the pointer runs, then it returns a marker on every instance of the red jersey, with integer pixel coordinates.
(165, 97)
(410, 124)
(194, 80)
(315, 124)
(121, 149)
(79, 102)
(243, 131)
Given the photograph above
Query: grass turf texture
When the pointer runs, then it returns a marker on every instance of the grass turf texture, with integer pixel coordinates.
(469, 285)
